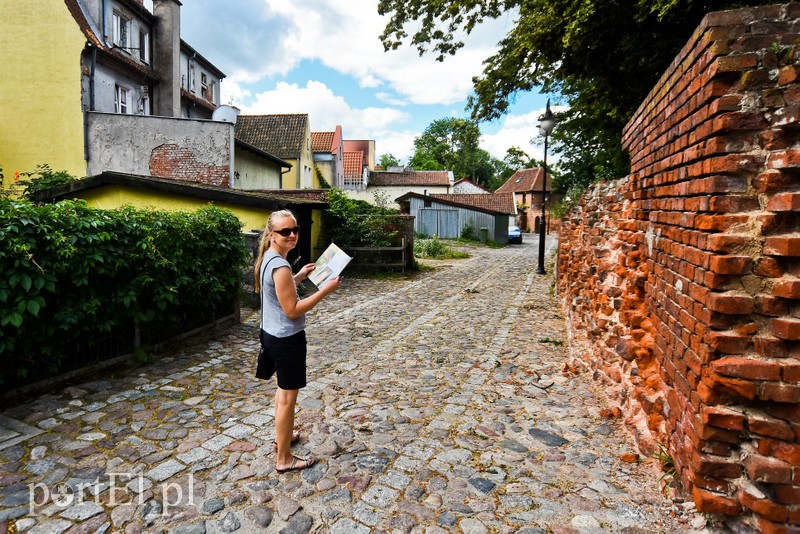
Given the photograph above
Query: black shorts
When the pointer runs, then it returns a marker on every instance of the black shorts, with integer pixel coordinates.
(284, 356)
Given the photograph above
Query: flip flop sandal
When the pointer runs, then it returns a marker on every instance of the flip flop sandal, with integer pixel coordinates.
(295, 465)
(295, 437)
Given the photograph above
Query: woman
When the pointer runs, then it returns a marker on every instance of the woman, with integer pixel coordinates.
(283, 322)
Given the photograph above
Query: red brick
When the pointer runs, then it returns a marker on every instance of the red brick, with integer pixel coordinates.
(723, 417)
(788, 452)
(763, 506)
(730, 264)
(779, 392)
(730, 303)
(767, 266)
(727, 243)
(784, 202)
(785, 494)
(728, 342)
(782, 246)
(772, 180)
(740, 120)
(763, 469)
(765, 526)
(784, 159)
(787, 289)
(739, 367)
(733, 386)
(715, 466)
(791, 372)
(705, 501)
(786, 328)
(772, 427)
(770, 347)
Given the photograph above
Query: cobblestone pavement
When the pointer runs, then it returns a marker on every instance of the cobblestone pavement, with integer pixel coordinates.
(435, 404)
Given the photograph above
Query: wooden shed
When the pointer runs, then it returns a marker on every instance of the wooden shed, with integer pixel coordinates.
(448, 215)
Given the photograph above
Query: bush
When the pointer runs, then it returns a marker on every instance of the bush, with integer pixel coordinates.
(356, 223)
(436, 249)
(41, 179)
(70, 275)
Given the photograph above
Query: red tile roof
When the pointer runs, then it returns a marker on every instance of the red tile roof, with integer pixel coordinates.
(524, 180)
(410, 178)
(322, 141)
(353, 164)
(280, 135)
(498, 202)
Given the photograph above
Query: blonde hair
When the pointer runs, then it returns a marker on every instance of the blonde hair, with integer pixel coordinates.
(266, 240)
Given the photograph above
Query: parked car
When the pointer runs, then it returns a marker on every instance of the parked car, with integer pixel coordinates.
(514, 234)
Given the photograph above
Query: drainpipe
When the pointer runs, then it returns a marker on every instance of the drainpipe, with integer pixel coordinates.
(91, 78)
(104, 21)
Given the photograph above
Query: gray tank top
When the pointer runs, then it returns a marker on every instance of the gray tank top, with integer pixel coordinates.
(273, 321)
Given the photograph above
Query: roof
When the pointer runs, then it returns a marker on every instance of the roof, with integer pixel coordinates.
(283, 136)
(524, 180)
(353, 163)
(502, 203)
(259, 152)
(197, 56)
(271, 199)
(410, 178)
(322, 141)
(315, 195)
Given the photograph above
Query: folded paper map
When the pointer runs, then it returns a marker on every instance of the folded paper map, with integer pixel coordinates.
(329, 265)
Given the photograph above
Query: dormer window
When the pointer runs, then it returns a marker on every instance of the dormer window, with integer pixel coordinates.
(121, 29)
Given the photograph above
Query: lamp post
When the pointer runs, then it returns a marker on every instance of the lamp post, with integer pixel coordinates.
(548, 122)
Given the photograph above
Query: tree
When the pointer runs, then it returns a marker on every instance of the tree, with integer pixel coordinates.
(451, 144)
(601, 56)
(388, 160)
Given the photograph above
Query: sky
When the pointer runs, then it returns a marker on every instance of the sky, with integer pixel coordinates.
(324, 58)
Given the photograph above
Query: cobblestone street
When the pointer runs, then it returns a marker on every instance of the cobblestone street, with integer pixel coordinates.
(435, 404)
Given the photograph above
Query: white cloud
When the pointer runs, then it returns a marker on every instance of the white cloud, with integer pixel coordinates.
(326, 110)
(521, 131)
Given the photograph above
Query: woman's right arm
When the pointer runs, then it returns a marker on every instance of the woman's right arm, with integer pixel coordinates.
(287, 293)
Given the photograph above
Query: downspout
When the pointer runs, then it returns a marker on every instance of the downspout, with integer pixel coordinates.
(104, 21)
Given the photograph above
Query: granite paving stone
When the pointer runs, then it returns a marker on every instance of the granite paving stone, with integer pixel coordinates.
(432, 406)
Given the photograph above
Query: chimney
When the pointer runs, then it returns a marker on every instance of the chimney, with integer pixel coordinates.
(167, 57)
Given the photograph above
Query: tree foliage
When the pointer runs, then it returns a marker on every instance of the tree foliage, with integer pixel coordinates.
(601, 56)
(388, 160)
(452, 144)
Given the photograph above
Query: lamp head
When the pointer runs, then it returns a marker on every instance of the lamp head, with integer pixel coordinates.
(548, 121)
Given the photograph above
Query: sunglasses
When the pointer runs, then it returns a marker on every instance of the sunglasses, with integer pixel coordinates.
(286, 231)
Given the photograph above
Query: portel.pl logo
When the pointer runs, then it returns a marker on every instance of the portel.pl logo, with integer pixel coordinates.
(65, 495)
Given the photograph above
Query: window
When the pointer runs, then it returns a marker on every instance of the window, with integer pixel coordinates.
(121, 29)
(191, 78)
(204, 86)
(144, 47)
(121, 99)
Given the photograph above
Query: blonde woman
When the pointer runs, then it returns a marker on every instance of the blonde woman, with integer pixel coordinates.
(283, 322)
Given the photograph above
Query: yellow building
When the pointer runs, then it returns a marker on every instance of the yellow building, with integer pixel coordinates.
(41, 118)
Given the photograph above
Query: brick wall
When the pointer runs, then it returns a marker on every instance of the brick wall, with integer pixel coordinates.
(682, 280)
(172, 161)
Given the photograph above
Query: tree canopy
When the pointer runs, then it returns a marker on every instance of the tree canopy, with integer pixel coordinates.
(451, 143)
(601, 56)
(388, 160)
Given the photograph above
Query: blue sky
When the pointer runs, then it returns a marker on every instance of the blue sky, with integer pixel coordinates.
(324, 58)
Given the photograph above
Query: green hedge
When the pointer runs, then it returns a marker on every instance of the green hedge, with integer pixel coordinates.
(72, 278)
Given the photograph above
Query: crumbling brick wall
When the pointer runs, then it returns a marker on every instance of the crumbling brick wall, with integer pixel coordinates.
(682, 280)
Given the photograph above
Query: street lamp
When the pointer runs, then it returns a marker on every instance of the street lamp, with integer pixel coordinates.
(548, 122)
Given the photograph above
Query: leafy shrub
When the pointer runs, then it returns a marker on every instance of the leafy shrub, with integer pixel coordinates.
(436, 249)
(41, 179)
(70, 274)
(356, 223)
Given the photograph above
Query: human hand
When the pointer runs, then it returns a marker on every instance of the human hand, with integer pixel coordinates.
(302, 274)
(332, 285)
